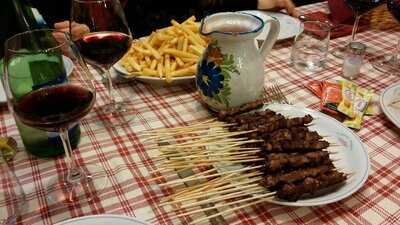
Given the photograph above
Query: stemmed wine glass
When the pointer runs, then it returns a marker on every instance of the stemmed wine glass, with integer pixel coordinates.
(359, 7)
(12, 197)
(390, 64)
(100, 31)
(43, 97)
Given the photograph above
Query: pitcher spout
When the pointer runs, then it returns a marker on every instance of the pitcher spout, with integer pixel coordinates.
(231, 25)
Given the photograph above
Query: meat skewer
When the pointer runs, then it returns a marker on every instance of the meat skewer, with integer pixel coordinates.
(294, 145)
(278, 161)
(274, 123)
(293, 133)
(292, 192)
(271, 181)
(241, 109)
(250, 117)
(257, 123)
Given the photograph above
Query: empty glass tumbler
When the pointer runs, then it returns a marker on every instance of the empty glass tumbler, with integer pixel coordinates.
(310, 48)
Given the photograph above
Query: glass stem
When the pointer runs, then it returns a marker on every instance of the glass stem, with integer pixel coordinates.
(355, 27)
(110, 87)
(396, 55)
(74, 172)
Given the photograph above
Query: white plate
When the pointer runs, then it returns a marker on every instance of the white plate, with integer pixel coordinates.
(289, 26)
(103, 219)
(387, 96)
(351, 155)
(69, 66)
(152, 80)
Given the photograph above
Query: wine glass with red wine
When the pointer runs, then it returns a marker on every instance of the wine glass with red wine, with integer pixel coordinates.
(100, 31)
(390, 63)
(42, 96)
(359, 7)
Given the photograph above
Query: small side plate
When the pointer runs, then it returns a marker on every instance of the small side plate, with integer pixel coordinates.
(386, 98)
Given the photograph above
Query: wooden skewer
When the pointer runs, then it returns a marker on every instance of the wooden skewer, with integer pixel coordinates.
(252, 189)
(210, 176)
(230, 210)
(182, 156)
(219, 189)
(202, 160)
(227, 204)
(222, 198)
(216, 184)
(213, 135)
(198, 188)
(198, 164)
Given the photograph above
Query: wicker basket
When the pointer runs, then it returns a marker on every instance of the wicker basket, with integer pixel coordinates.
(380, 18)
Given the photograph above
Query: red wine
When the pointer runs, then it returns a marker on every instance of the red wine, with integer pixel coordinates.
(394, 8)
(362, 6)
(104, 48)
(54, 107)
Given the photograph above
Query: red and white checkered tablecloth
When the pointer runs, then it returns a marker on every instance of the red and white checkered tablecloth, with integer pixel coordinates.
(120, 150)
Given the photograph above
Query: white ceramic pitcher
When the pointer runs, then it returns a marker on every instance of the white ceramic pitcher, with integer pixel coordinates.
(231, 70)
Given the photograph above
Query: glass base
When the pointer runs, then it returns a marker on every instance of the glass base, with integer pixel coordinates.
(386, 64)
(86, 186)
(338, 52)
(118, 113)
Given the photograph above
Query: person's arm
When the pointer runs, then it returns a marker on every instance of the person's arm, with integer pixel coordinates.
(236, 5)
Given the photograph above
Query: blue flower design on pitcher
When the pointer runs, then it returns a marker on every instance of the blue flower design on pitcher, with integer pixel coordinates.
(210, 80)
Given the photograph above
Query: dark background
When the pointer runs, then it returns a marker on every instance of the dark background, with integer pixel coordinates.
(58, 10)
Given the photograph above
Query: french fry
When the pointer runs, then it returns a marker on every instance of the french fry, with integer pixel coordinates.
(190, 33)
(173, 66)
(167, 65)
(179, 45)
(184, 71)
(133, 62)
(196, 49)
(155, 53)
(180, 53)
(189, 60)
(147, 59)
(179, 61)
(185, 44)
(153, 64)
(160, 69)
(149, 72)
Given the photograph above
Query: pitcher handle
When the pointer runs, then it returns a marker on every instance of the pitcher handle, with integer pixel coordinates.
(271, 37)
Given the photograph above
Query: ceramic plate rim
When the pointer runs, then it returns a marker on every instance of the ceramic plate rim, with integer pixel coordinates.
(384, 108)
(91, 217)
(125, 74)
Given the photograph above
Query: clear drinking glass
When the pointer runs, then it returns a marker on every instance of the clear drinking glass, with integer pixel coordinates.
(43, 97)
(100, 31)
(311, 45)
(12, 196)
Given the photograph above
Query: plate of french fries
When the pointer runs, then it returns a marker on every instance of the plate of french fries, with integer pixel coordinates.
(167, 56)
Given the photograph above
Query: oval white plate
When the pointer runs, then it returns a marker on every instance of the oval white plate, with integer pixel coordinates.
(152, 80)
(351, 156)
(387, 96)
(289, 26)
(69, 67)
(104, 219)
